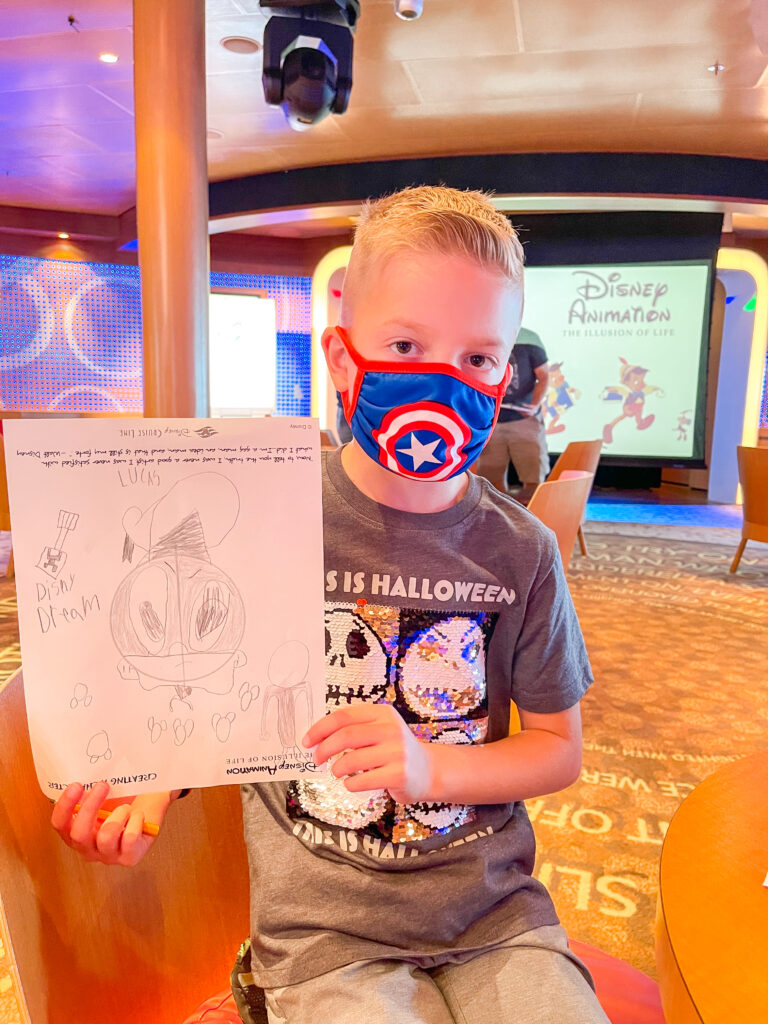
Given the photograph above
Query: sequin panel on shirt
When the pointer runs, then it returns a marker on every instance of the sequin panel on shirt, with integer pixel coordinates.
(431, 666)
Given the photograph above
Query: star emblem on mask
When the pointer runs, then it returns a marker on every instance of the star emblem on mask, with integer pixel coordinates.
(420, 453)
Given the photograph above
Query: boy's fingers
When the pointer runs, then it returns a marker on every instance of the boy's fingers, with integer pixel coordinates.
(321, 729)
(110, 832)
(64, 808)
(373, 780)
(84, 821)
(350, 737)
(360, 761)
(337, 720)
(93, 800)
(134, 844)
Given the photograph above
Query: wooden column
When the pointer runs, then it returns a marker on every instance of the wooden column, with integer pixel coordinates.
(172, 203)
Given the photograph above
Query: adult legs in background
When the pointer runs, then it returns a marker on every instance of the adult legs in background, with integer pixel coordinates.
(524, 443)
(493, 462)
(528, 452)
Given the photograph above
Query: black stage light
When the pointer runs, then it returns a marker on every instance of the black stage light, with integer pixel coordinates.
(308, 58)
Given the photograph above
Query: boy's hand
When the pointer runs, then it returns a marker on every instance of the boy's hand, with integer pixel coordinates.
(378, 751)
(117, 840)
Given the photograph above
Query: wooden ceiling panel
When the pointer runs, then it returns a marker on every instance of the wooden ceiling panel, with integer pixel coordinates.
(40, 17)
(493, 128)
(239, 92)
(109, 197)
(502, 76)
(222, 9)
(46, 140)
(711, 106)
(236, 108)
(46, 183)
(237, 162)
(217, 57)
(461, 30)
(40, 171)
(17, 192)
(114, 167)
(633, 24)
(372, 77)
(119, 92)
(595, 72)
(109, 136)
(252, 6)
(495, 112)
(70, 105)
(67, 58)
(664, 138)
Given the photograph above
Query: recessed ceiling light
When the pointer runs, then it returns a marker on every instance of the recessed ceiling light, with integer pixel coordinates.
(241, 44)
(108, 58)
(214, 133)
(63, 234)
(716, 68)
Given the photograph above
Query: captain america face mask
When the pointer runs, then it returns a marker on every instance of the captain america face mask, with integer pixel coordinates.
(423, 421)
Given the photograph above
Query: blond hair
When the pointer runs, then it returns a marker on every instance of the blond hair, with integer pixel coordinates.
(431, 219)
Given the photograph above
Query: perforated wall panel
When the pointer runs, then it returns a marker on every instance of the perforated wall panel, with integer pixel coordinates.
(70, 336)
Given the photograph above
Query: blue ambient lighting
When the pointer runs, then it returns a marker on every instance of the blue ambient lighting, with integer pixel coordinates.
(70, 336)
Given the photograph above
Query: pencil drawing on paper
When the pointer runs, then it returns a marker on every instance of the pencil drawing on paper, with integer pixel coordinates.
(287, 672)
(80, 695)
(222, 726)
(98, 747)
(53, 557)
(156, 728)
(247, 693)
(182, 731)
(177, 619)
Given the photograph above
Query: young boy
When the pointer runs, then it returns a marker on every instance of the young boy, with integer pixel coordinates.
(395, 885)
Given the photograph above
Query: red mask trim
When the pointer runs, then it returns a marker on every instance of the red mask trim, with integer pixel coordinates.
(362, 366)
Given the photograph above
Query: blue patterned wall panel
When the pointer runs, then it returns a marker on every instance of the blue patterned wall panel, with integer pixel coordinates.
(70, 335)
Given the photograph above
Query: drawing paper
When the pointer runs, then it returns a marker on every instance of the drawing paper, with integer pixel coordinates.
(169, 576)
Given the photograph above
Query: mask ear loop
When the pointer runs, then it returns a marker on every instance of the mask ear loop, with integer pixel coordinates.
(501, 391)
(349, 399)
(502, 386)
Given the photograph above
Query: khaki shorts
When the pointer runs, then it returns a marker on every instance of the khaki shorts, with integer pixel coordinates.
(522, 442)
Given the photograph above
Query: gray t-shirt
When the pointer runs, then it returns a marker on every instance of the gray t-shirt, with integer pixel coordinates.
(448, 616)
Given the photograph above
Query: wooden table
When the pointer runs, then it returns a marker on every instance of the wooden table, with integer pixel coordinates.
(712, 923)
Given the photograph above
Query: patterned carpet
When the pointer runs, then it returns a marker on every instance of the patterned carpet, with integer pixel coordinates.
(678, 649)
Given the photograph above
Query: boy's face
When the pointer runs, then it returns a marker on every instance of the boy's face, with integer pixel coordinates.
(425, 307)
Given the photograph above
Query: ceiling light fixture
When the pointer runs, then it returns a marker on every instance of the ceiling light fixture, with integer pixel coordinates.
(241, 44)
(716, 68)
(108, 58)
(63, 234)
(214, 133)
(409, 10)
